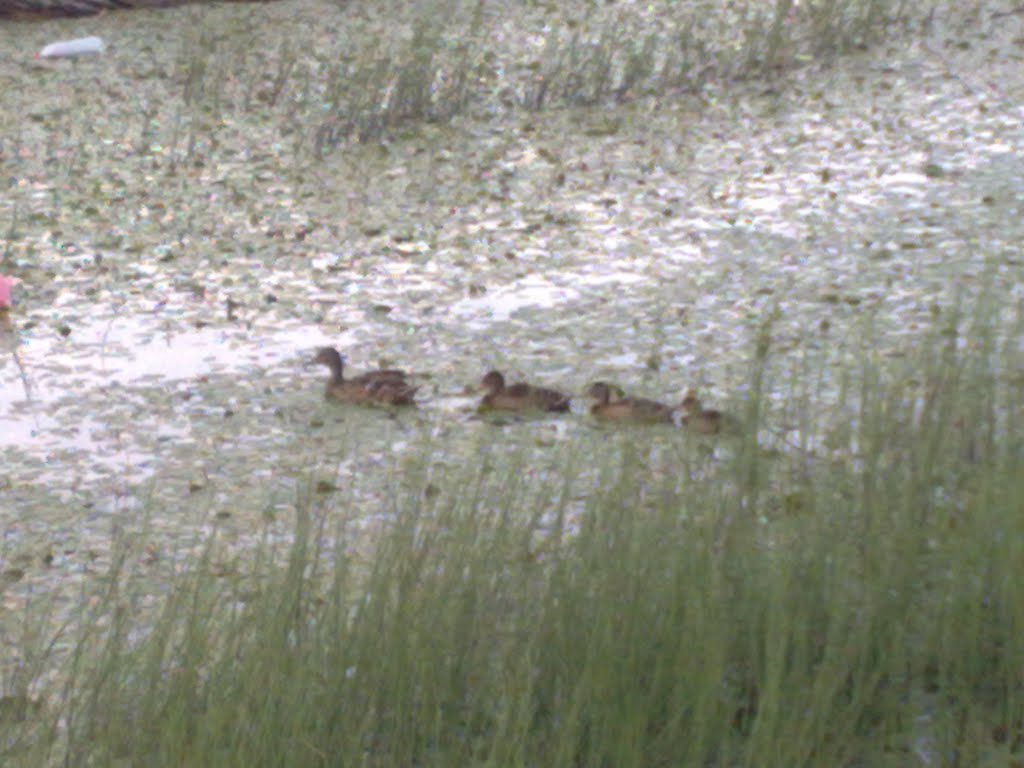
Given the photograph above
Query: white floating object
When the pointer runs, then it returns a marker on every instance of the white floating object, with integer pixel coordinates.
(80, 47)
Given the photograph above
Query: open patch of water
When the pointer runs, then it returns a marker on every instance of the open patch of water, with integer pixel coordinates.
(108, 355)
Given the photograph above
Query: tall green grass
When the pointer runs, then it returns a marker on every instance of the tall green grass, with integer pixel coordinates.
(399, 64)
(854, 603)
(448, 57)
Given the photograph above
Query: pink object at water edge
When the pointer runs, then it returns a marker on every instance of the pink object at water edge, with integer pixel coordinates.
(6, 284)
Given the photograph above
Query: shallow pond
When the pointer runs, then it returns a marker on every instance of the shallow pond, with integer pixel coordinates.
(181, 261)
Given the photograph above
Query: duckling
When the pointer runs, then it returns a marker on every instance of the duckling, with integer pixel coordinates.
(380, 387)
(701, 420)
(633, 410)
(519, 396)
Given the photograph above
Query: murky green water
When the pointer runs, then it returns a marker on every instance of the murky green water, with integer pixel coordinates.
(646, 244)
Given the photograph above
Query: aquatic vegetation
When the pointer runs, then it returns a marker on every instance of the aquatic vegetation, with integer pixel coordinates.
(680, 600)
(652, 198)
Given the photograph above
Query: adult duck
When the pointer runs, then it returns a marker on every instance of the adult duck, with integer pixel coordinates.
(386, 386)
(613, 405)
(520, 396)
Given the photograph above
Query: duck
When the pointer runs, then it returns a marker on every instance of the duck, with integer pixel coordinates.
(700, 420)
(627, 410)
(520, 396)
(386, 386)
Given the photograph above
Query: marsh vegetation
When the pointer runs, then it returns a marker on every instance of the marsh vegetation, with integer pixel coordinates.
(810, 212)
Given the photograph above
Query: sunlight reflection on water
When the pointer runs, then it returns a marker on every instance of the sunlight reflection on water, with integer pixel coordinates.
(123, 351)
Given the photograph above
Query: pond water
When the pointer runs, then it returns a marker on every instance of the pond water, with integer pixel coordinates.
(180, 265)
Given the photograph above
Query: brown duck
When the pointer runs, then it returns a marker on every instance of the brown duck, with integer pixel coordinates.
(380, 387)
(701, 420)
(519, 396)
(612, 405)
